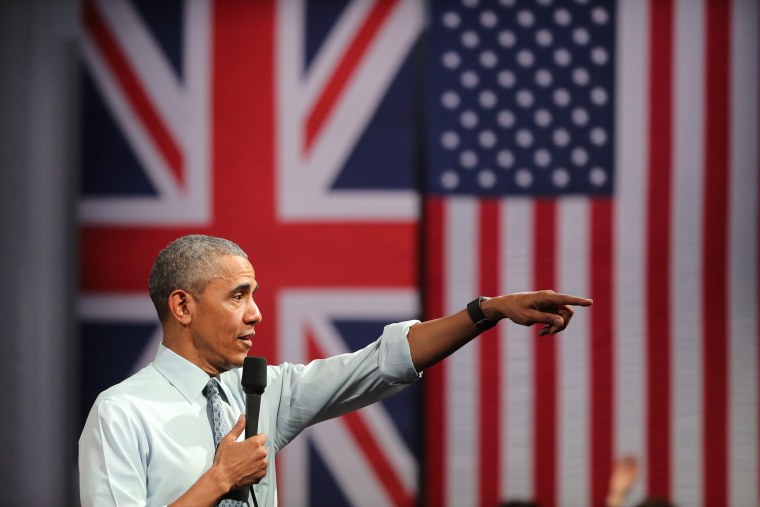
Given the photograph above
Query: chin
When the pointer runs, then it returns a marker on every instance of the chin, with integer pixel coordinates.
(238, 361)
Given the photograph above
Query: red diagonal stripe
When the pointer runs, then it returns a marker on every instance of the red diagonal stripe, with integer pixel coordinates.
(130, 84)
(366, 440)
(351, 60)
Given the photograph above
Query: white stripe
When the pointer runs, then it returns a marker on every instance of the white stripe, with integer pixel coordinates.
(686, 260)
(363, 93)
(293, 463)
(629, 231)
(352, 470)
(517, 374)
(743, 257)
(314, 308)
(376, 418)
(334, 49)
(304, 182)
(293, 460)
(196, 139)
(317, 309)
(144, 146)
(174, 205)
(289, 100)
(147, 60)
(573, 462)
(121, 306)
(462, 369)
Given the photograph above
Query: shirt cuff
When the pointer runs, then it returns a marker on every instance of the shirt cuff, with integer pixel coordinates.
(396, 365)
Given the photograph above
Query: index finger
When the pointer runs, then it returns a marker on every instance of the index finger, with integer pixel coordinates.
(566, 299)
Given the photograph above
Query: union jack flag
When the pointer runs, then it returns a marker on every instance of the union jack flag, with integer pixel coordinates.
(286, 126)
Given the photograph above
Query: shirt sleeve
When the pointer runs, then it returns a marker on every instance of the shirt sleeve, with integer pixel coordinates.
(327, 388)
(112, 457)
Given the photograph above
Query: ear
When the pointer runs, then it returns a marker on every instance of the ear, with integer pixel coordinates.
(180, 302)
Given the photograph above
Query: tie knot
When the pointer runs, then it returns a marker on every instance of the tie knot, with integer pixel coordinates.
(211, 389)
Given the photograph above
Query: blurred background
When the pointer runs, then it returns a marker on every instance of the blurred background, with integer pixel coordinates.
(383, 160)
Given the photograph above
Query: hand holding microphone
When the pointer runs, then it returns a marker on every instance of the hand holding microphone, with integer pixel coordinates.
(236, 458)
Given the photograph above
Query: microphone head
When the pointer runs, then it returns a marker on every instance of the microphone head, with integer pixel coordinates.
(254, 375)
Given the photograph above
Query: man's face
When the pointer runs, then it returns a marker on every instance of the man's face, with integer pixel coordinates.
(224, 315)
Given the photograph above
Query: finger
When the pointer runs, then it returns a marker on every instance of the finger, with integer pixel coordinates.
(566, 299)
(566, 313)
(551, 319)
(237, 430)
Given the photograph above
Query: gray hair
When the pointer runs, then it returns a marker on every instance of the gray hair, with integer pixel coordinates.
(188, 263)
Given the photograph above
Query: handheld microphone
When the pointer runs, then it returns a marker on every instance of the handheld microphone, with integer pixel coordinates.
(254, 382)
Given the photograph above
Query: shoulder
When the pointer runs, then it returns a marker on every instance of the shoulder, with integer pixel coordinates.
(132, 396)
(138, 384)
(275, 374)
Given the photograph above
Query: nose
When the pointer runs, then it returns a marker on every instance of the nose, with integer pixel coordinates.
(252, 315)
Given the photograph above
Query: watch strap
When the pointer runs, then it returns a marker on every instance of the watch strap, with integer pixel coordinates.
(477, 315)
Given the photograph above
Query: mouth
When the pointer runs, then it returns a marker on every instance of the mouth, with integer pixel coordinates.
(248, 339)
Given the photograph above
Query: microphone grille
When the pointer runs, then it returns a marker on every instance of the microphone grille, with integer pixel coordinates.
(254, 374)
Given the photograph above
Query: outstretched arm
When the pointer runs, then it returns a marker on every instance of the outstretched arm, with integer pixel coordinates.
(433, 340)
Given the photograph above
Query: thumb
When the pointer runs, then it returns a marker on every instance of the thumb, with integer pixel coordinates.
(237, 430)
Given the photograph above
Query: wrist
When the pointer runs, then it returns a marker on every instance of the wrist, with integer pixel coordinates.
(490, 309)
(219, 480)
(482, 314)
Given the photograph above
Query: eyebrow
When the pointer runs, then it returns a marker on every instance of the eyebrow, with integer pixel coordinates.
(244, 287)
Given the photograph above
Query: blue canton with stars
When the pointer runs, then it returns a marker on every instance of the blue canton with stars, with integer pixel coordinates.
(521, 97)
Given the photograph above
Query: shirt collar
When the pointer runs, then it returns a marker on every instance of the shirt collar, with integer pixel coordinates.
(186, 377)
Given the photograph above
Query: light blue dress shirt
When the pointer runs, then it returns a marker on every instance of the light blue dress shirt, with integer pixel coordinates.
(148, 439)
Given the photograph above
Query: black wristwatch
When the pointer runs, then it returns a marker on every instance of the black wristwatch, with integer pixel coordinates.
(477, 315)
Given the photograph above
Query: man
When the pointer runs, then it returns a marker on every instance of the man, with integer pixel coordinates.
(150, 440)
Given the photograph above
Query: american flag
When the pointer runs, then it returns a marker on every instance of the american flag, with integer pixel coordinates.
(285, 126)
(609, 150)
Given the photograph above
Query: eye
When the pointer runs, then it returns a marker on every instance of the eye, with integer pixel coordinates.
(237, 297)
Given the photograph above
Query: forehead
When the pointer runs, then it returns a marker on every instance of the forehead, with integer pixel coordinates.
(235, 269)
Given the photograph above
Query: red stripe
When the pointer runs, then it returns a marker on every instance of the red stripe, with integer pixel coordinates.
(544, 357)
(243, 160)
(658, 248)
(714, 276)
(334, 245)
(165, 143)
(345, 69)
(489, 348)
(366, 440)
(435, 426)
(601, 348)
